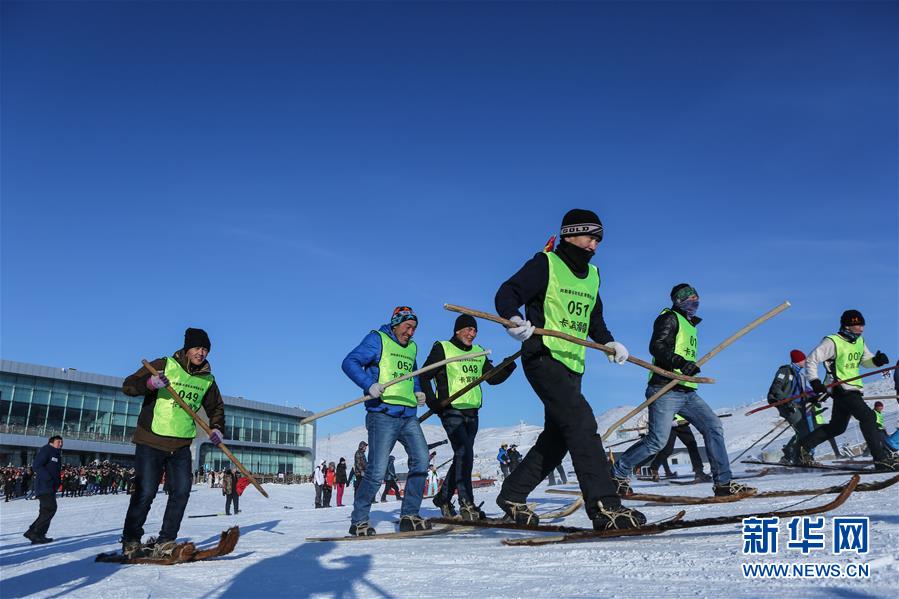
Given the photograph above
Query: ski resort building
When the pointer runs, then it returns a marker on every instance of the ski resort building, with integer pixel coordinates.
(96, 421)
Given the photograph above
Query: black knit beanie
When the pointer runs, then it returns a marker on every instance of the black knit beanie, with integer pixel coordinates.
(581, 222)
(464, 321)
(196, 338)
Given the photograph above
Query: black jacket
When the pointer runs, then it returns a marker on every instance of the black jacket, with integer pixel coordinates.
(340, 473)
(391, 470)
(661, 346)
(46, 467)
(527, 288)
(782, 384)
(439, 375)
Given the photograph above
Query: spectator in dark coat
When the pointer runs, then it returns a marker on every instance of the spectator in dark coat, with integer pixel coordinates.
(46, 481)
(390, 481)
(340, 480)
(359, 465)
(229, 490)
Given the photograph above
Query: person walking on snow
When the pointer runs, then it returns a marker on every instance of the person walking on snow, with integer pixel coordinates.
(673, 346)
(359, 465)
(163, 437)
(460, 418)
(229, 490)
(318, 479)
(390, 481)
(46, 468)
(382, 356)
(560, 291)
(503, 458)
(841, 354)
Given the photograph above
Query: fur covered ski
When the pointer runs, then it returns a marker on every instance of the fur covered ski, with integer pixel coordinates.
(565, 511)
(843, 469)
(759, 474)
(183, 553)
(387, 535)
(676, 499)
(593, 535)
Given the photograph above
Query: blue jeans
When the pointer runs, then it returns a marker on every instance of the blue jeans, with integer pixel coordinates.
(149, 464)
(383, 433)
(661, 412)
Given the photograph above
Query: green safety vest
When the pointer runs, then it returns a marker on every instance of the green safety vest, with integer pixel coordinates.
(463, 372)
(684, 345)
(680, 420)
(879, 417)
(567, 307)
(397, 361)
(169, 419)
(848, 357)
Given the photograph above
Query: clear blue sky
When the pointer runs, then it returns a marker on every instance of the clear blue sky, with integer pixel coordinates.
(283, 174)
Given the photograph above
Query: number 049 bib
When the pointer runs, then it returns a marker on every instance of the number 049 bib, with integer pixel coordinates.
(169, 420)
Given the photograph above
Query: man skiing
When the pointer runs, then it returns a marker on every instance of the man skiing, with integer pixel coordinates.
(673, 347)
(163, 437)
(790, 381)
(460, 418)
(841, 354)
(382, 356)
(560, 291)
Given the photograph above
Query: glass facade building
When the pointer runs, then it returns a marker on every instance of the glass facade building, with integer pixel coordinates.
(97, 420)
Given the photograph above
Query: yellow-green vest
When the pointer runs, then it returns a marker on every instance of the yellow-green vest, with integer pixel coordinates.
(567, 306)
(461, 373)
(847, 358)
(169, 418)
(397, 361)
(685, 345)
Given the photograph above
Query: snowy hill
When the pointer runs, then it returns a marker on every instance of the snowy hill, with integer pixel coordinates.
(740, 431)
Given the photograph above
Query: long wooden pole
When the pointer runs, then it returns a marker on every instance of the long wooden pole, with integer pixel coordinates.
(206, 429)
(671, 384)
(831, 385)
(359, 400)
(593, 345)
(760, 439)
(484, 377)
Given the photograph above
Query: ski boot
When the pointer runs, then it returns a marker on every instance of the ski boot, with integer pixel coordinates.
(469, 511)
(654, 475)
(361, 530)
(890, 462)
(622, 486)
(446, 506)
(520, 513)
(732, 488)
(134, 549)
(806, 458)
(612, 515)
(163, 548)
(411, 523)
(702, 477)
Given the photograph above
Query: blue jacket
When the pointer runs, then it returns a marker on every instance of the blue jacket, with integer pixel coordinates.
(502, 456)
(361, 365)
(46, 470)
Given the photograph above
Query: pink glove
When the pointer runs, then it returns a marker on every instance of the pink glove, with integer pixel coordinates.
(215, 436)
(157, 381)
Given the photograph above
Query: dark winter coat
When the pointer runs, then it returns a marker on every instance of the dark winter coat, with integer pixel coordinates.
(228, 487)
(341, 473)
(391, 470)
(46, 470)
(136, 385)
(359, 462)
(527, 288)
(661, 346)
(439, 375)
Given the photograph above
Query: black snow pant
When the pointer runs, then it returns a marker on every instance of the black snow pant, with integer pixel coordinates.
(391, 484)
(569, 427)
(848, 404)
(48, 508)
(460, 430)
(318, 494)
(232, 498)
(683, 433)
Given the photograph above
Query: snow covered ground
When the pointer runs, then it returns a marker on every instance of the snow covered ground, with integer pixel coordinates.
(274, 560)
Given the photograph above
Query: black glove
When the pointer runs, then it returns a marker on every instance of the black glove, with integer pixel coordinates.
(818, 387)
(880, 358)
(689, 368)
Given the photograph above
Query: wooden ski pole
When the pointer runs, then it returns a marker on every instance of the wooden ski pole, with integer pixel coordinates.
(484, 377)
(359, 400)
(671, 384)
(881, 397)
(776, 437)
(202, 424)
(550, 333)
(831, 385)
